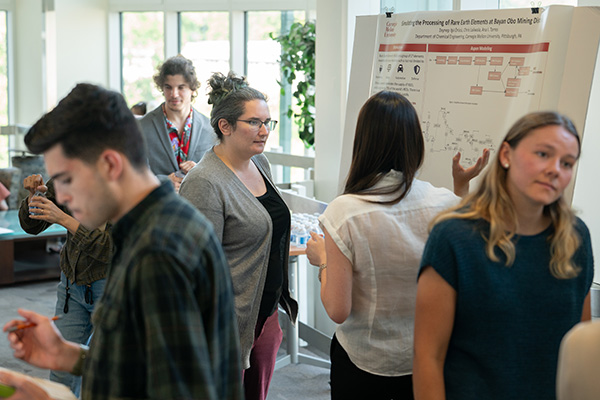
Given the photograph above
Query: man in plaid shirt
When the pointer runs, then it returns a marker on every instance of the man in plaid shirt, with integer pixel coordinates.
(165, 327)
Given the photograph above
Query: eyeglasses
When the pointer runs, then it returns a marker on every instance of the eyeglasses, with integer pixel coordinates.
(269, 124)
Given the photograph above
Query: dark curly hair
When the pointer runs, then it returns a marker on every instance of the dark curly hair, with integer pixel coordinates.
(177, 65)
(229, 95)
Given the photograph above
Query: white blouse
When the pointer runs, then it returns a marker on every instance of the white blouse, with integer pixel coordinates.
(384, 244)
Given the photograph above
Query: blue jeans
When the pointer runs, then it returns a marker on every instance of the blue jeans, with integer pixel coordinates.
(76, 324)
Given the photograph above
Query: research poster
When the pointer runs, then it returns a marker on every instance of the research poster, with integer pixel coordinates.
(471, 74)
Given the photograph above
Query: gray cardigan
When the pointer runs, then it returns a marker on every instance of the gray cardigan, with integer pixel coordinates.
(244, 227)
(161, 158)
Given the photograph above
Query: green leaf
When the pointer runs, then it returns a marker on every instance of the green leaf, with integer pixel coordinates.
(298, 58)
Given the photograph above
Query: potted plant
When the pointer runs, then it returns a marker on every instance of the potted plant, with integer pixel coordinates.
(298, 61)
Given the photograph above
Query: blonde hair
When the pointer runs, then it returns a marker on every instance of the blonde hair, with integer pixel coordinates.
(492, 202)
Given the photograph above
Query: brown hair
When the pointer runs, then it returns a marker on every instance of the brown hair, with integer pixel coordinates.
(388, 136)
(229, 95)
(177, 65)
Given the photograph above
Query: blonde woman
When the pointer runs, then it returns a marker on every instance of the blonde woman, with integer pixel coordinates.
(505, 274)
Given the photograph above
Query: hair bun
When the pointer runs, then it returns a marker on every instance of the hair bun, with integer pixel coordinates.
(221, 85)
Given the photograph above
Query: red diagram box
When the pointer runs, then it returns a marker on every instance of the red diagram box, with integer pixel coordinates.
(516, 61)
(494, 75)
(480, 60)
(524, 71)
(464, 60)
(511, 92)
(440, 60)
(403, 47)
(452, 60)
(476, 90)
(487, 48)
(496, 61)
(513, 82)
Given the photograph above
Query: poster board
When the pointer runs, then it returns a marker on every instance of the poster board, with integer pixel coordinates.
(472, 74)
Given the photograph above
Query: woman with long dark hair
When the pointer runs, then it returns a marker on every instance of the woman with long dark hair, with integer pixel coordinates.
(368, 261)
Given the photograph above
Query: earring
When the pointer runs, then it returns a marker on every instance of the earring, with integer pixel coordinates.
(505, 166)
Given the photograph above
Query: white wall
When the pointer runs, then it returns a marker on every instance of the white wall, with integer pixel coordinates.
(29, 93)
(587, 191)
(75, 51)
(82, 43)
(335, 34)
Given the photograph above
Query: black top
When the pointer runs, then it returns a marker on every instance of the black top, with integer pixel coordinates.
(280, 217)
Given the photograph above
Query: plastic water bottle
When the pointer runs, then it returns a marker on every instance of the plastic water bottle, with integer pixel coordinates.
(40, 194)
(315, 227)
(301, 238)
(293, 231)
(301, 226)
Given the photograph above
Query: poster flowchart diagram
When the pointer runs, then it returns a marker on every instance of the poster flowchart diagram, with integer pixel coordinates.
(470, 75)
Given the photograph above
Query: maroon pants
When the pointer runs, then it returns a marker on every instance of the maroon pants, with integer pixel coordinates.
(267, 338)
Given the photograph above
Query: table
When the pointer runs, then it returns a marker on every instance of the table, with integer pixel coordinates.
(23, 257)
(311, 335)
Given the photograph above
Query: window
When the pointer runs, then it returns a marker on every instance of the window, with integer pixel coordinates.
(204, 39)
(142, 49)
(263, 72)
(4, 142)
(399, 6)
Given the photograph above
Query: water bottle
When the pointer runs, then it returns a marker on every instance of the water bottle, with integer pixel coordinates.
(40, 194)
(301, 236)
(308, 229)
(315, 227)
(293, 231)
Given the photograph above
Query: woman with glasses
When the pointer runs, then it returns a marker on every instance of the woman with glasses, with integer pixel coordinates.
(232, 186)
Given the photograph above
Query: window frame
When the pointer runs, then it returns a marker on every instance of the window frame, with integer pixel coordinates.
(237, 13)
(428, 5)
(8, 6)
(237, 10)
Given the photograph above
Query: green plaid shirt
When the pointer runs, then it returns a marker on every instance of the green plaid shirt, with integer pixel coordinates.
(165, 327)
